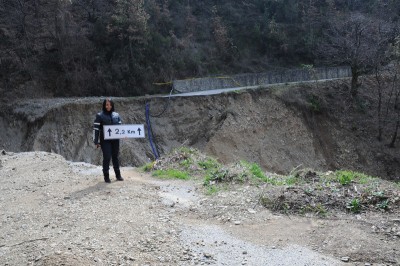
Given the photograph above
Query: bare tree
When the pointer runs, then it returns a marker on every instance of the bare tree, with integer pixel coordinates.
(388, 95)
(397, 125)
(380, 89)
(395, 51)
(357, 41)
(224, 44)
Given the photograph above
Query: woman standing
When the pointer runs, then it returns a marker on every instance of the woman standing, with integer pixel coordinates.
(110, 147)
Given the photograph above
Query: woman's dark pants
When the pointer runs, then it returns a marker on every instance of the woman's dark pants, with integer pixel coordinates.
(110, 150)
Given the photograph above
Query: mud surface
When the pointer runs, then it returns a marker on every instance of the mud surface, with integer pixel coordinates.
(54, 211)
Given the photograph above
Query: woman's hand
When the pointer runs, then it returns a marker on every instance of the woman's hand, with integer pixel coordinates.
(97, 145)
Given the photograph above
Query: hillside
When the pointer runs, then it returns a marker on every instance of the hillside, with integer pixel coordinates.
(278, 127)
(124, 48)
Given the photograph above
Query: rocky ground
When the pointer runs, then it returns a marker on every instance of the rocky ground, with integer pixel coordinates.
(55, 212)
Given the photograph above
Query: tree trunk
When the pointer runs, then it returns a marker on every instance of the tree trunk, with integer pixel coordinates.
(391, 145)
(354, 82)
(380, 127)
(396, 108)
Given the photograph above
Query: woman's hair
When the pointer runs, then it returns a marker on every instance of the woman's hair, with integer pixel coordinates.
(104, 105)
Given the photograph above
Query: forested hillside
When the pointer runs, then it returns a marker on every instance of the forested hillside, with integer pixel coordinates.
(124, 47)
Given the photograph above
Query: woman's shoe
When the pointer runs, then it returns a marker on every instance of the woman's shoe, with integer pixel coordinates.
(118, 175)
(107, 177)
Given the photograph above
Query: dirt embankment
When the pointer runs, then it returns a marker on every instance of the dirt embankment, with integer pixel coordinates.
(278, 127)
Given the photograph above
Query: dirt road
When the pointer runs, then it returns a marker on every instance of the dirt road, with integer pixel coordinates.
(55, 212)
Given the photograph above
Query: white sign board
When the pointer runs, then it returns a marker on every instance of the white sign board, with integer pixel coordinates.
(123, 131)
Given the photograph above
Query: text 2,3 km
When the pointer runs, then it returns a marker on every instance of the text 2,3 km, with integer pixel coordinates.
(123, 131)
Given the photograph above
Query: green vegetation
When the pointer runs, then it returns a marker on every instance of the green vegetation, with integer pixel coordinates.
(171, 173)
(256, 171)
(209, 163)
(256, 174)
(253, 171)
(211, 190)
(186, 151)
(347, 177)
(318, 209)
(354, 205)
(383, 205)
(148, 167)
(216, 176)
(315, 104)
(186, 163)
(302, 191)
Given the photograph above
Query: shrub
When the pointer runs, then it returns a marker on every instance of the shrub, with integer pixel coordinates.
(148, 167)
(345, 177)
(212, 190)
(354, 205)
(383, 205)
(255, 170)
(315, 104)
(217, 176)
(209, 163)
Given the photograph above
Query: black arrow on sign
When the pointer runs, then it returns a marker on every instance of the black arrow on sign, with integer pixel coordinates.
(139, 130)
(109, 132)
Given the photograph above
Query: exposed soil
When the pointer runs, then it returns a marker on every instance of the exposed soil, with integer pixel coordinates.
(279, 127)
(56, 212)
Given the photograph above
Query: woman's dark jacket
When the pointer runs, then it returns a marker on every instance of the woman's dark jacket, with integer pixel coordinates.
(104, 118)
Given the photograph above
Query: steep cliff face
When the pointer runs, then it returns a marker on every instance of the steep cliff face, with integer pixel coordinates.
(280, 128)
(64, 126)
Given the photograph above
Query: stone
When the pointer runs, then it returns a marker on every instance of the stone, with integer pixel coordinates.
(251, 211)
(207, 255)
(345, 259)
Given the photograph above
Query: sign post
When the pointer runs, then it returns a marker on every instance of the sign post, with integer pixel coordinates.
(123, 131)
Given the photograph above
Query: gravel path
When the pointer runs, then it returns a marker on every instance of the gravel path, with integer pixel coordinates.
(56, 212)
